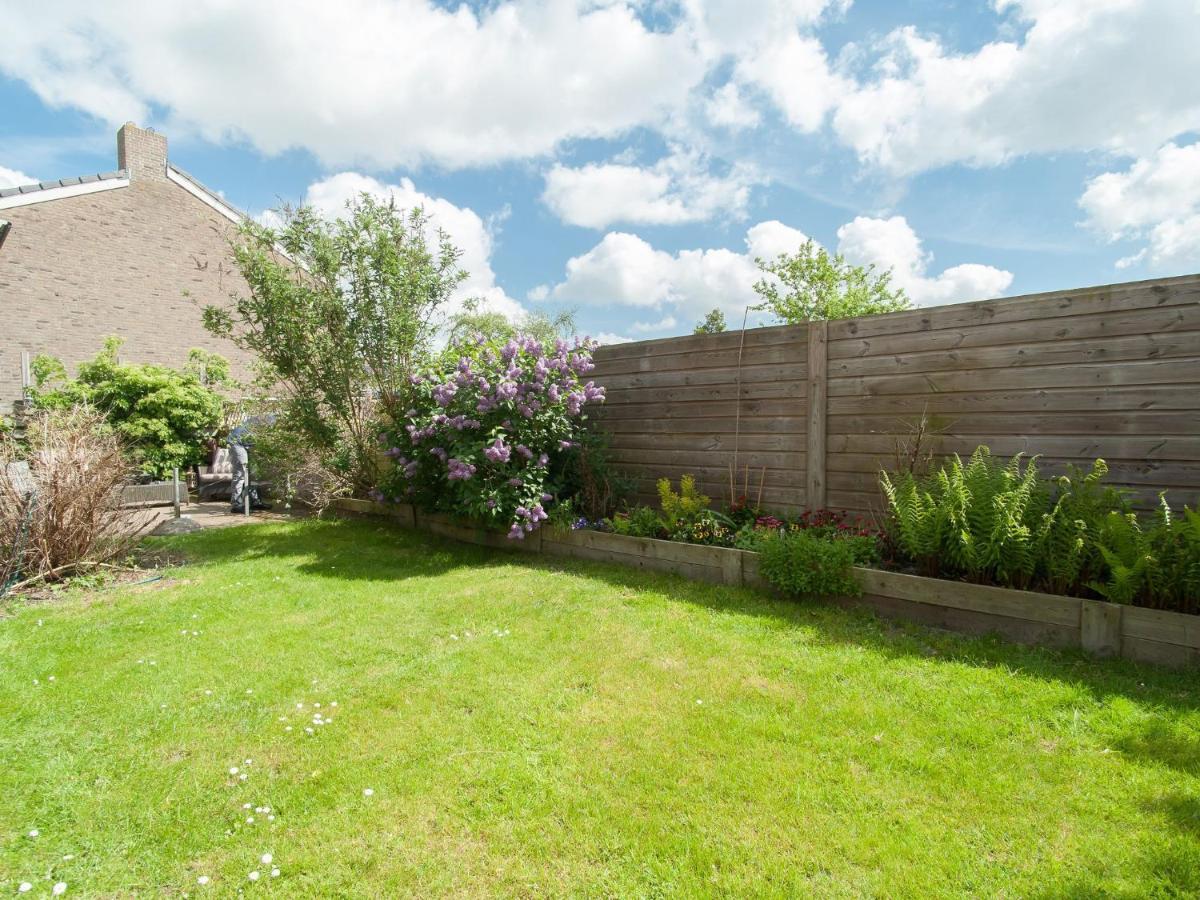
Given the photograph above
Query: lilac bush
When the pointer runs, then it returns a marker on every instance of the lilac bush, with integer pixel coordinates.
(481, 434)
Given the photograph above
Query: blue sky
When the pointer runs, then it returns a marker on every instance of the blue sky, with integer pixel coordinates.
(629, 160)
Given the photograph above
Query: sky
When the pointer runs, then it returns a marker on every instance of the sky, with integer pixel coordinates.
(630, 160)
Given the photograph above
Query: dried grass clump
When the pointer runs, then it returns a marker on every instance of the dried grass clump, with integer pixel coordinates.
(62, 514)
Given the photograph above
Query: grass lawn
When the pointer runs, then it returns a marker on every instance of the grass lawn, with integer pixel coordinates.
(530, 727)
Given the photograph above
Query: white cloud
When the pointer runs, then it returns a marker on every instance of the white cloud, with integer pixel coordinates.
(14, 178)
(892, 244)
(380, 82)
(728, 109)
(625, 270)
(794, 72)
(664, 324)
(1157, 199)
(678, 188)
(467, 230)
(1088, 74)
(607, 338)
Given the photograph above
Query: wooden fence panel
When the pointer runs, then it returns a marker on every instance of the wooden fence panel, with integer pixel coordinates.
(1111, 371)
(720, 407)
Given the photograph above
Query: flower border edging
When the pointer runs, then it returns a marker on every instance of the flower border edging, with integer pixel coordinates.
(1106, 629)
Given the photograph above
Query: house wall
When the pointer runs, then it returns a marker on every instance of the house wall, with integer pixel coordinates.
(139, 261)
(1110, 372)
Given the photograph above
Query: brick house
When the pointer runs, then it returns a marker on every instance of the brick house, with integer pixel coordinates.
(137, 252)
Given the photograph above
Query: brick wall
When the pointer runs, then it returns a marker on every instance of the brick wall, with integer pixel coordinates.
(138, 261)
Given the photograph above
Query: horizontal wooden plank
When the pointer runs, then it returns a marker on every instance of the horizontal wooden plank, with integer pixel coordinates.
(1055, 446)
(1161, 626)
(1153, 320)
(1128, 422)
(751, 338)
(966, 621)
(1049, 608)
(721, 459)
(705, 441)
(696, 554)
(747, 425)
(698, 409)
(1072, 399)
(1174, 345)
(691, 361)
(1160, 654)
(1182, 474)
(749, 374)
(1158, 293)
(1131, 372)
(688, 570)
(760, 390)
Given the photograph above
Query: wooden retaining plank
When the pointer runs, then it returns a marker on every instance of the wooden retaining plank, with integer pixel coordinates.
(676, 551)
(1161, 626)
(696, 572)
(967, 621)
(1158, 653)
(1050, 609)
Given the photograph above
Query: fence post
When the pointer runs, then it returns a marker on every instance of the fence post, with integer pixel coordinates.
(818, 365)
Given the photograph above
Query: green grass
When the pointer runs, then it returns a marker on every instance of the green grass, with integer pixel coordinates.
(541, 728)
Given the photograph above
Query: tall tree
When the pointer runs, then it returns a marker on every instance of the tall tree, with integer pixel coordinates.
(812, 284)
(341, 313)
(712, 323)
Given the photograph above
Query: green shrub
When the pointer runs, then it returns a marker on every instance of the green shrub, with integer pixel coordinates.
(163, 416)
(806, 565)
(641, 521)
(683, 507)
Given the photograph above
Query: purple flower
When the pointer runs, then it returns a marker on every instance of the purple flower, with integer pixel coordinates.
(444, 393)
(565, 445)
(537, 514)
(546, 498)
(438, 452)
(515, 482)
(524, 451)
(491, 504)
(516, 533)
(543, 460)
(457, 470)
(498, 451)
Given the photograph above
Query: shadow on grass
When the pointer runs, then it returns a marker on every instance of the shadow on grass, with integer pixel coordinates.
(376, 550)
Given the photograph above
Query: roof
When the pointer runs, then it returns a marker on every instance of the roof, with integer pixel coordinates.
(204, 194)
(61, 183)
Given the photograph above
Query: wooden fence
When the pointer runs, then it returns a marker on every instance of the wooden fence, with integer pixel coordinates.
(815, 411)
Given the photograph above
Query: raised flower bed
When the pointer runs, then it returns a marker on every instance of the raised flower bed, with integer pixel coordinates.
(1106, 629)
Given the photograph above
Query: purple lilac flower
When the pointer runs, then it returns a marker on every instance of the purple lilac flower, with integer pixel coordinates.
(546, 498)
(543, 460)
(444, 393)
(491, 504)
(498, 451)
(515, 482)
(552, 393)
(438, 452)
(524, 451)
(522, 512)
(376, 495)
(516, 533)
(537, 514)
(457, 470)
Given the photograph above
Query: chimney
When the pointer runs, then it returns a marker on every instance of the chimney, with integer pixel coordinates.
(142, 153)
